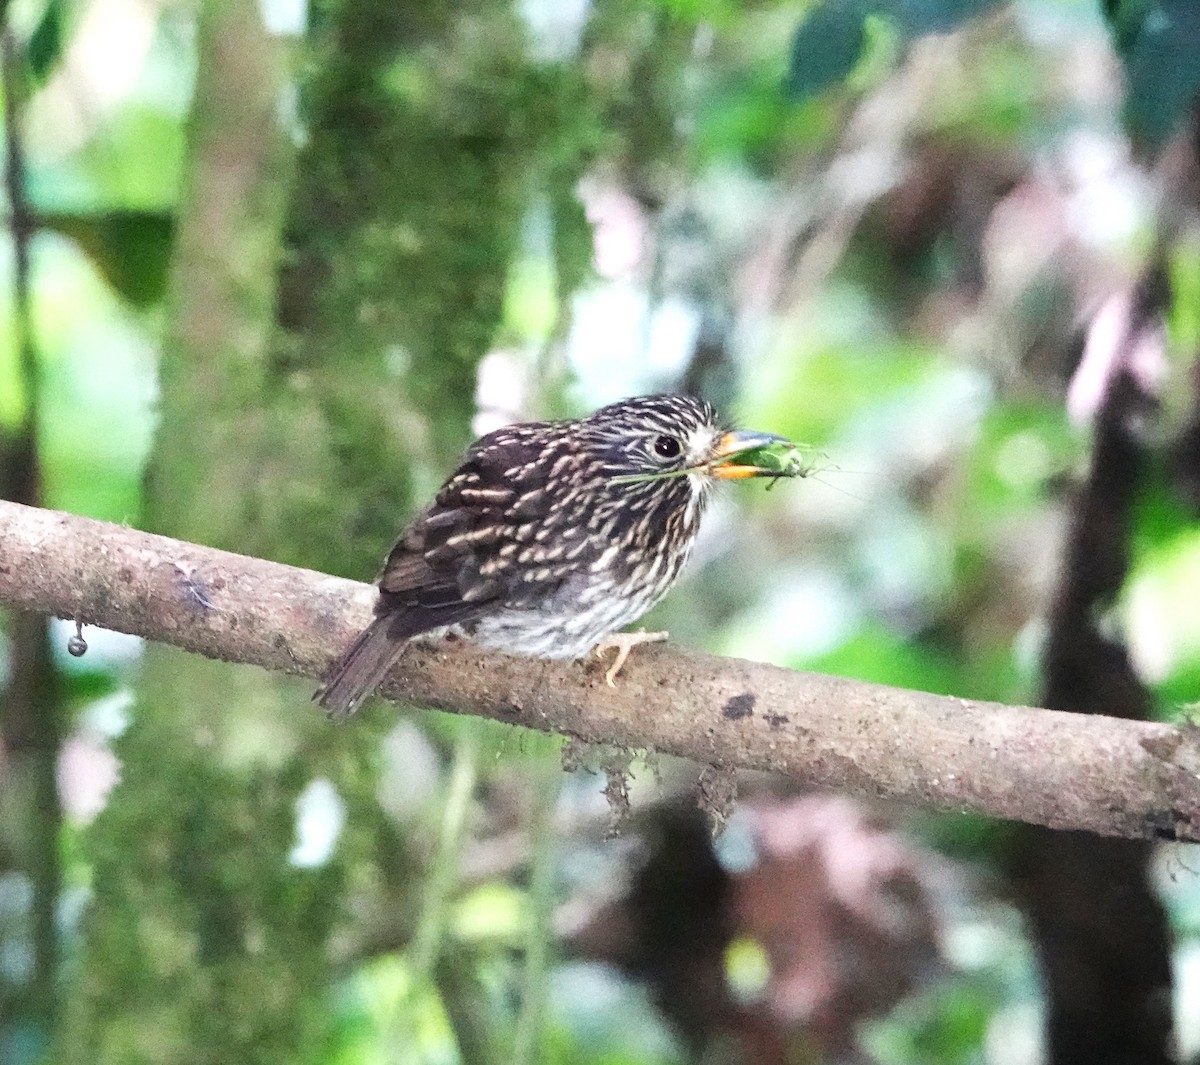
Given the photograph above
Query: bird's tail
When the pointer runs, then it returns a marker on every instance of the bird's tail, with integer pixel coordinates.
(357, 673)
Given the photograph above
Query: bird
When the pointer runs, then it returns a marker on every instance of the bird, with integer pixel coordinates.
(550, 537)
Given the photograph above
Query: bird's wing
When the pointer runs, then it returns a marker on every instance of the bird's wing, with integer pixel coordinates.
(437, 572)
(420, 586)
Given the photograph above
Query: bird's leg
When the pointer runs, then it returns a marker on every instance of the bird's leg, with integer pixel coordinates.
(623, 643)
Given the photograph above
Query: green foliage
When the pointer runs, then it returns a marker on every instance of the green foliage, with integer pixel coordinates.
(813, 397)
(944, 1028)
(827, 46)
(831, 40)
(130, 249)
(878, 654)
(434, 216)
(46, 42)
(1159, 45)
(1156, 603)
(150, 136)
(182, 940)
(1022, 449)
(1184, 312)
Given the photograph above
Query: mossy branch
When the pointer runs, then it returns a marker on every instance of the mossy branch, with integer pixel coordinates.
(1069, 771)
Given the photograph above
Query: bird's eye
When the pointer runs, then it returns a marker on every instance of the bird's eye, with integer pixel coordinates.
(667, 447)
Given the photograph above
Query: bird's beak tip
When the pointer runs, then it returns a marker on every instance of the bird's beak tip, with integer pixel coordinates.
(738, 442)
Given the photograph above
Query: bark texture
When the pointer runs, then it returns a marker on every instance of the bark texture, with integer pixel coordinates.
(1123, 778)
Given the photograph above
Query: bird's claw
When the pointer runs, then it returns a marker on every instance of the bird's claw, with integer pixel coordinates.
(623, 643)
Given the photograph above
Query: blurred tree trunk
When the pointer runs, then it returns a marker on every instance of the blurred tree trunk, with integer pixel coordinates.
(1100, 931)
(405, 217)
(201, 943)
(292, 415)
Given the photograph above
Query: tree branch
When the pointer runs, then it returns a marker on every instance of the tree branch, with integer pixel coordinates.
(1125, 778)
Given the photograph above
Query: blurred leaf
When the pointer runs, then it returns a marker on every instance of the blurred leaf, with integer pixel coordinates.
(967, 837)
(944, 1027)
(1022, 447)
(748, 117)
(136, 165)
(600, 1018)
(1125, 18)
(1184, 313)
(832, 38)
(811, 397)
(698, 11)
(46, 42)
(1160, 519)
(919, 17)
(86, 683)
(1159, 43)
(491, 911)
(1158, 611)
(130, 249)
(882, 656)
(827, 45)
(97, 383)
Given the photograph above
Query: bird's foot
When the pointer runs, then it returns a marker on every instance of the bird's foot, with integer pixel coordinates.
(623, 643)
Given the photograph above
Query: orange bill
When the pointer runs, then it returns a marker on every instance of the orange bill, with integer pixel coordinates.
(724, 465)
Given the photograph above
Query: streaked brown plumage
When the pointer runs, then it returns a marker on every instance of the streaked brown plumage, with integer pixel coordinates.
(534, 546)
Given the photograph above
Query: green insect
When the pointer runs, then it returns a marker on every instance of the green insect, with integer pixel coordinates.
(779, 458)
(784, 459)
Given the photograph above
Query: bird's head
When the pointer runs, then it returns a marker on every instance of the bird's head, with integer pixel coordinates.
(671, 436)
